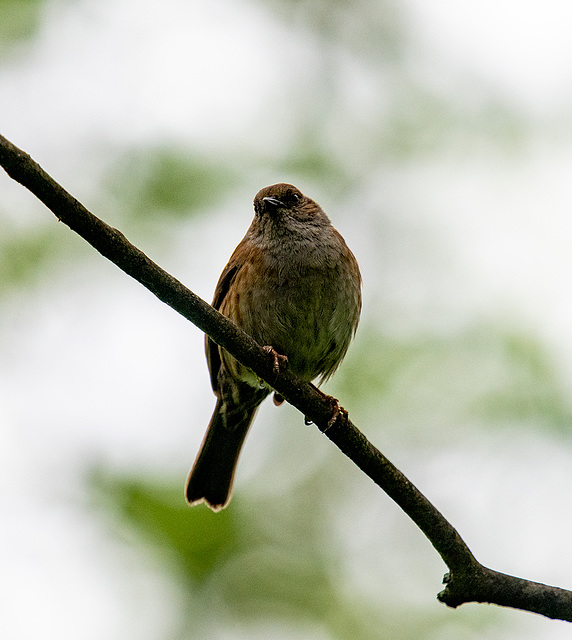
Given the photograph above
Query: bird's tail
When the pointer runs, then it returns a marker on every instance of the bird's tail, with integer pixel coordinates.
(212, 475)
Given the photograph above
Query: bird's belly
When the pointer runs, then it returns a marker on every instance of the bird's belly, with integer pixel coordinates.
(305, 319)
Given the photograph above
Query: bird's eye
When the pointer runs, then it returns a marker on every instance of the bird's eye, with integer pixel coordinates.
(295, 196)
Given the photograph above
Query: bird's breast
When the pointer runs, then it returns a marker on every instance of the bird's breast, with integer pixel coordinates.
(304, 304)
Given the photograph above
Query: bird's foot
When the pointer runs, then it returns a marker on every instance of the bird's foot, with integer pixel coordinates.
(339, 414)
(279, 361)
(338, 418)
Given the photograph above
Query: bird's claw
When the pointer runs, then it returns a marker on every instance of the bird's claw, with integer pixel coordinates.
(278, 361)
(338, 414)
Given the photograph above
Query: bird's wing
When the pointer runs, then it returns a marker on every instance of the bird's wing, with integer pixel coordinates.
(211, 348)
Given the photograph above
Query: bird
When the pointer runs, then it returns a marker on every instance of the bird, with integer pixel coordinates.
(294, 286)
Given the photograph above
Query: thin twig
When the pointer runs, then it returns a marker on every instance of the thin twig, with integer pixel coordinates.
(467, 580)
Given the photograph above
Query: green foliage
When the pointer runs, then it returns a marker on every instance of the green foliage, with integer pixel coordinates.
(483, 376)
(168, 182)
(149, 184)
(374, 31)
(19, 20)
(260, 568)
(28, 256)
(262, 561)
(423, 122)
(21, 256)
(197, 541)
(529, 388)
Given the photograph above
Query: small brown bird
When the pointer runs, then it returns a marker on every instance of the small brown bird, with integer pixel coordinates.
(292, 284)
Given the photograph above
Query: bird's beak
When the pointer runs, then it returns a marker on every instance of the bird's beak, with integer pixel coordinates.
(273, 202)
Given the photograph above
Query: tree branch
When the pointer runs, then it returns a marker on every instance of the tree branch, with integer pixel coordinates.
(467, 580)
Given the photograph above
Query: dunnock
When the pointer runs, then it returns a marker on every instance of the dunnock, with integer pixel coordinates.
(293, 284)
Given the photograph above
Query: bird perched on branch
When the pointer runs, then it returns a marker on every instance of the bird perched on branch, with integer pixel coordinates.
(293, 284)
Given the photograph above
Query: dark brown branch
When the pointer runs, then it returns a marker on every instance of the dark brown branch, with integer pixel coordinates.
(468, 580)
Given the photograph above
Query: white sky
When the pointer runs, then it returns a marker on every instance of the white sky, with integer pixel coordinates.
(523, 47)
(103, 70)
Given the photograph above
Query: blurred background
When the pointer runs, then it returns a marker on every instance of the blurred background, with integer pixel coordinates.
(438, 137)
